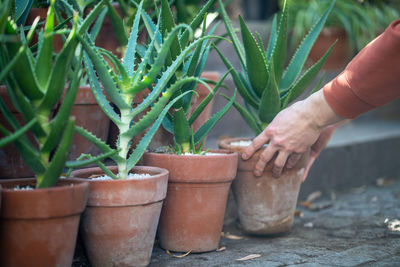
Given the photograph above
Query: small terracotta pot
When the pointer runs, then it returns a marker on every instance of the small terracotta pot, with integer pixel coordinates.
(120, 222)
(193, 211)
(88, 115)
(266, 205)
(341, 52)
(39, 227)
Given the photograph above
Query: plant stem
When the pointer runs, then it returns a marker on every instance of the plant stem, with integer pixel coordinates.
(123, 144)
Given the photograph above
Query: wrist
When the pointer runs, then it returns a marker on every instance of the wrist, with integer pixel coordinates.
(321, 113)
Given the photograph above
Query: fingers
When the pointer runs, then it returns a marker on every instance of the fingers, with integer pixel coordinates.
(257, 143)
(264, 158)
(292, 160)
(279, 164)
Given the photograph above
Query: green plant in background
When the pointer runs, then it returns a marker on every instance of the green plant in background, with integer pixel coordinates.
(264, 83)
(179, 122)
(142, 67)
(362, 20)
(35, 82)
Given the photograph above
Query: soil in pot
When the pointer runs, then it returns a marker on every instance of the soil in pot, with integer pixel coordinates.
(120, 222)
(266, 205)
(40, 226)
(193, 211)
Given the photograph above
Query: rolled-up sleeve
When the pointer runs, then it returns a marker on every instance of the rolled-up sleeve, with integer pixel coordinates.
(371, 79)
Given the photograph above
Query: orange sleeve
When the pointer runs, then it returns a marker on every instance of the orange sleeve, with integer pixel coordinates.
(371, 79)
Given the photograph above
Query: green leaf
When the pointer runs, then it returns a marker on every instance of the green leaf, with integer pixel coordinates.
(256, 63)
(167, 24)
(43, 63)
(129, 56)
(91, 160)
(98, 143)
(141, 147)
(182, 130)
(208, 125)
(12, 137)
(272, 38)
(57, 163)
(196, 113)
(306, 79)
(98, 93)
(270, 101)
(239, 85)
(235, 40)
(297, 62)
(249, 118)
(103, 71)
(279, 51)
(117, 24)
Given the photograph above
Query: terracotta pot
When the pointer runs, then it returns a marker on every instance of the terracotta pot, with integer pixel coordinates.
(341, 52)
(39, 227)
(193, 211)
(120, 222)
(88, 115)
(42, 13)
(202, 94)
(266, 205)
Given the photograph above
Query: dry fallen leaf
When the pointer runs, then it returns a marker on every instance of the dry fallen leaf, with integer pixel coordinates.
(384, 182)
(178, 256)
(305, 204)
(231, 236)
(313, 196)
(249, 257)
(221, 249)
(298, 214)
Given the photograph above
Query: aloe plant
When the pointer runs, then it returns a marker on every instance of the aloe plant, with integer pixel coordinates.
(142, 67)
(35, 83)
(179, 122)
(264, 83)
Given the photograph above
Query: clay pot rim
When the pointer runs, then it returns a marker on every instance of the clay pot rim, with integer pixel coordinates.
(225, 143)
(160, 173)
(65, 183)
(224, 153)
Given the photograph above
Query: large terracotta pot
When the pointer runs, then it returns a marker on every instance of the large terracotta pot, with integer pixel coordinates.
(266, 205)
(341, 52)
(120, 222)
(193, 211)
(39, 227)
(88, 115)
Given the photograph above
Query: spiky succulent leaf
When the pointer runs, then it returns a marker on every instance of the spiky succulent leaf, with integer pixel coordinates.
(210, 123)
(98, 93)
(129, 56)
(182, 132)
(235, 40)
(272, 37)
(305, 80)
(196, 113)
(247, 116)
(145, 141)
(117, 24)
(17, 134)
(279, 51)
(55, 168)
(91, 160)
(256, 63)
(270, 101)
(299, 58)
(239, 85)
(103, 71)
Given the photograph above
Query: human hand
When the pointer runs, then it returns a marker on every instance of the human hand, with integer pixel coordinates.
(292, 132)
